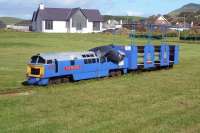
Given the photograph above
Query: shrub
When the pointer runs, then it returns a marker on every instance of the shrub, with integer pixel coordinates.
(191, 35)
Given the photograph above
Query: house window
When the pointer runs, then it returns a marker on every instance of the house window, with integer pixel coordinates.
(67, 24)
(96, 26)
(79, 26)
(48, 24)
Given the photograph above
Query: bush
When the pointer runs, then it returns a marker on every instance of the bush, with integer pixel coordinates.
(156, 35)
(172, 34)
(190, 35)
(190, 38)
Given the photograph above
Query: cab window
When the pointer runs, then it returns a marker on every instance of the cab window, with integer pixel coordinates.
(41, 60)
(49, 61)
(93, 60)
(91, 55)
(72, 62)
(37, 60)
(102, 59)
(34, 59)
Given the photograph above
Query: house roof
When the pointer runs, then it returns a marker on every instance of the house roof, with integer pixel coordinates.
(64, 14)
(158, 20)
(161, 20)
(92, 14)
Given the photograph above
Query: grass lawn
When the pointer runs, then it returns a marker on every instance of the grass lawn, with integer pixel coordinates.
(158, 101)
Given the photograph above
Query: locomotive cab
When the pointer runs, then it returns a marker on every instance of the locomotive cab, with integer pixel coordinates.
(35, 67)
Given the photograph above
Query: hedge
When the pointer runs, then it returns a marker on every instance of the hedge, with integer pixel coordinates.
(192, 38)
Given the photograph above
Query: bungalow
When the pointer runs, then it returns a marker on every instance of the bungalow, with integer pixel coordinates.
(66, 20)
(157, 20)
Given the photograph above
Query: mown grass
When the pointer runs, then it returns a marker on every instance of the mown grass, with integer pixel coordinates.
(158, 101)
(17, 48)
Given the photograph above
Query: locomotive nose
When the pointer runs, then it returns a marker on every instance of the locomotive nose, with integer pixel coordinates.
(35, 71)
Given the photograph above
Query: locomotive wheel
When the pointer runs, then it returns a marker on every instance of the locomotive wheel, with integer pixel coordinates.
(119, 73)
(65, 80)
(115, 73)
(112, 74)
(57, 81)
(54, 81)
(51, 81)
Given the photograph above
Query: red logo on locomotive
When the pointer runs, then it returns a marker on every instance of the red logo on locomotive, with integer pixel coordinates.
(68, 68)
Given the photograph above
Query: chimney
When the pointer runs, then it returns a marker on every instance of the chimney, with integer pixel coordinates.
(41, 6)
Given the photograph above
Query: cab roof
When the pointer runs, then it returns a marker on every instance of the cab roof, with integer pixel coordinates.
(66, 55)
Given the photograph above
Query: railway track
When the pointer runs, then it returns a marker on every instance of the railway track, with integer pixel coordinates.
(27, 88)
(22, 89)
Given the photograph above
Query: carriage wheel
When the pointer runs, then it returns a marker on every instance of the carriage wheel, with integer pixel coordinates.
(54, 81)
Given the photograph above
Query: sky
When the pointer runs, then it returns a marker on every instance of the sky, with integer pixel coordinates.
(24, 8)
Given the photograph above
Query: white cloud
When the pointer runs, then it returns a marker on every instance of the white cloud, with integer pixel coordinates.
(71, 1)
(68, 2)
(20, 1)
(134, 13)
(47, 2)
(25, 8)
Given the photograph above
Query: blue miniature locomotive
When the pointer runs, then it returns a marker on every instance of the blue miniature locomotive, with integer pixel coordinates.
(104, 61)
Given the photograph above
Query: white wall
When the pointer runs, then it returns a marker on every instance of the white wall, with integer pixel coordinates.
(88, 29)
(101, 26)
(58, 27)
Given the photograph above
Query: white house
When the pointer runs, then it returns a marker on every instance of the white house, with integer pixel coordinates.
(66, 20)
(112, 24)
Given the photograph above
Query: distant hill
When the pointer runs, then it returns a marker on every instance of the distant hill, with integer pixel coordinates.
(191, 7)
(10, 20)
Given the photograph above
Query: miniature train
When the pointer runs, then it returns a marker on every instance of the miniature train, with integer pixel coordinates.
(104, 61)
